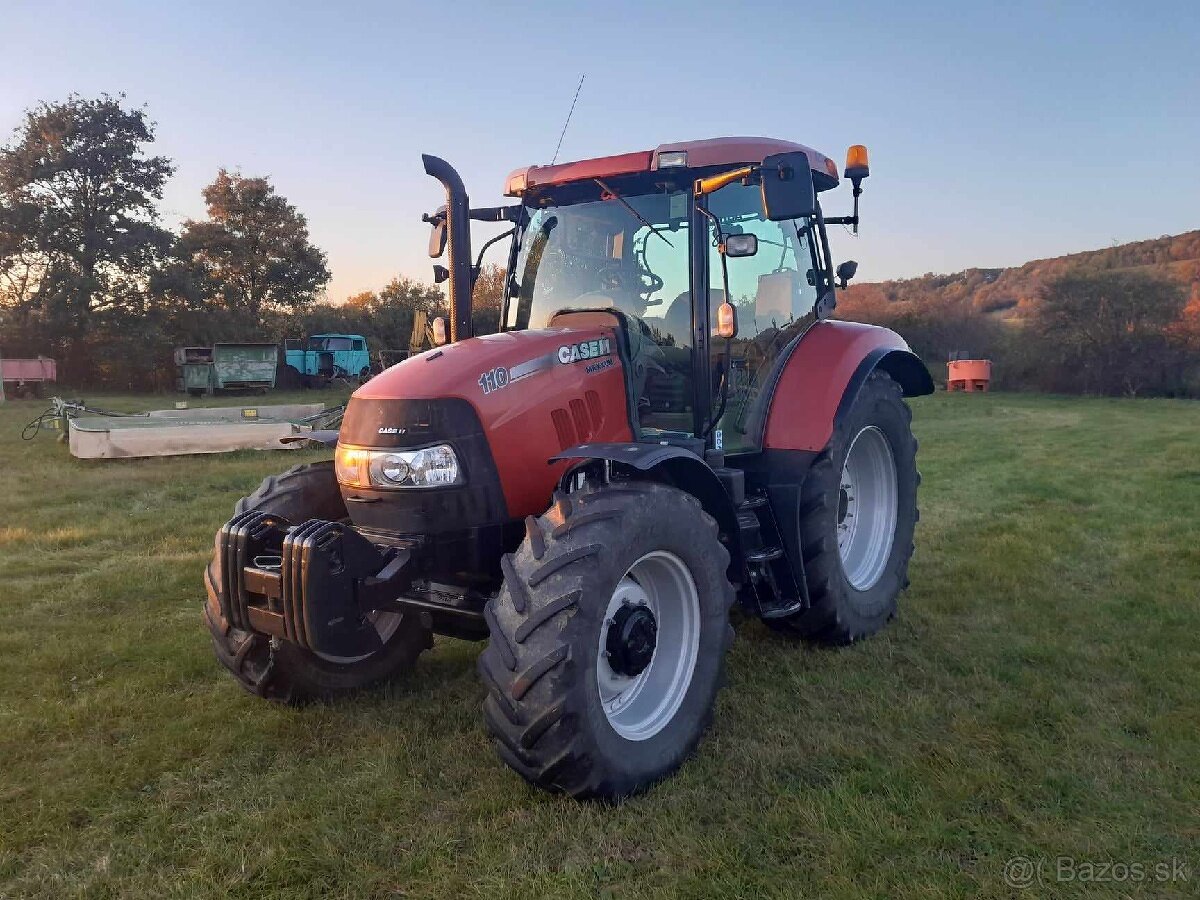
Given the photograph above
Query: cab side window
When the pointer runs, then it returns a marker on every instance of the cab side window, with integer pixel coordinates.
(774, 291)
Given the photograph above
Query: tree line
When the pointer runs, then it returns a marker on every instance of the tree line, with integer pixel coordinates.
(89, 275)
(1086, 330)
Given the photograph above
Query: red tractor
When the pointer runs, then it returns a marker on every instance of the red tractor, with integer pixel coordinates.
(668, 422)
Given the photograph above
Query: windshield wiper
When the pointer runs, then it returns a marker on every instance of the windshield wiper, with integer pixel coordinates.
(637, 215)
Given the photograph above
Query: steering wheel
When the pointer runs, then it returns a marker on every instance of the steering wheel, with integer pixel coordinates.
(611, 277)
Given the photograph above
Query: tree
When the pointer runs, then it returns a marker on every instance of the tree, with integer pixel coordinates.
(384, 317)
(487, 299)
(391, 311)
(1108, 332)
(79, 234)
(253, 252)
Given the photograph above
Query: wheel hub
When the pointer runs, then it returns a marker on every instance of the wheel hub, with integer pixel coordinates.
(632, 637)
(867, 508)
(647, 645)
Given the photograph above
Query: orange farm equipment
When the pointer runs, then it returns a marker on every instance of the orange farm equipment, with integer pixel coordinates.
(969, 375)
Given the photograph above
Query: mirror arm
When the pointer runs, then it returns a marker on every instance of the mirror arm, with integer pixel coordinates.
(512, 213)
(484, 249)
(720, 241)
(716, 182)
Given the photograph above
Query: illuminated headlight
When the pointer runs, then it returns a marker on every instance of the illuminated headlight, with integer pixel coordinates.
(427, 467)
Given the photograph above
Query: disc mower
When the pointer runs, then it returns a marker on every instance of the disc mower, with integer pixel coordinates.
(668, 423)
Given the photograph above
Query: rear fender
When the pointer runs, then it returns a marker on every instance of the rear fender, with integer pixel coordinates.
(824, 373)
(677, 467)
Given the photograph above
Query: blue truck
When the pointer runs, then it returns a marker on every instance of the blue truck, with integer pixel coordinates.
(318, 359)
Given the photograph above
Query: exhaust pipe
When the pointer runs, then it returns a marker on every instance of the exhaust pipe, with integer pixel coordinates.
(458, 241)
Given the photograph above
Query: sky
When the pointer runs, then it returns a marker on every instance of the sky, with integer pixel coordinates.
(998, 132)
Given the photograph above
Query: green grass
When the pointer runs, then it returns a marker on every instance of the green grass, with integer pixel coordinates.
(1038, 695)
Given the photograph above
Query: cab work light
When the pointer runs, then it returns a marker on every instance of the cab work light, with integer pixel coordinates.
(856, 162)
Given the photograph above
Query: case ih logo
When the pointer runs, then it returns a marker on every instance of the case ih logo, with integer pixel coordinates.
(584, 350)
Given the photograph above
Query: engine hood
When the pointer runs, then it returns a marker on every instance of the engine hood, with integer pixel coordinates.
(534, 394)
(471, 369)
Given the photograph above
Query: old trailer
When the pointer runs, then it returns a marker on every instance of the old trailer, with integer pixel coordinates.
(226, 366)
(26, 377)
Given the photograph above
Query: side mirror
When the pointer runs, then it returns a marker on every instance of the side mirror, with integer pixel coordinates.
(845, 272)
(437, 236)
(787, 186)
(727, 320)
(738, 245)
(438, 327)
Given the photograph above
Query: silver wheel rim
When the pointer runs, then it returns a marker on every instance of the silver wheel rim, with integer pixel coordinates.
(640, 706)
(386, 623)
(867, 505)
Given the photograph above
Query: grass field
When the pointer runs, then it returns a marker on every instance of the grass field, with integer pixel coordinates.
(1037, 696)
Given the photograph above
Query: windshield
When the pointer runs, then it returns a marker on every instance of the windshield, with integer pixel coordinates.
(631, 256)
(329, 343)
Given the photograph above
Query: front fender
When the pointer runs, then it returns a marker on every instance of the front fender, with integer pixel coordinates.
(823, 375)
(680, 468)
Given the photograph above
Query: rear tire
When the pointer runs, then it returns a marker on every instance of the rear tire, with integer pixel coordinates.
(569, 715)
(854, 588)
(279, 670)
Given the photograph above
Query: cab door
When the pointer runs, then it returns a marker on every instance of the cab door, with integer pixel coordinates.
(773, 292)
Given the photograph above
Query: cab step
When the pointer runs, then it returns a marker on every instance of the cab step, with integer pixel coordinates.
(782, 612)
(764, 555)
(772, 583)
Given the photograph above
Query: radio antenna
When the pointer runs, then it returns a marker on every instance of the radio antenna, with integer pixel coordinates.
(568, 122)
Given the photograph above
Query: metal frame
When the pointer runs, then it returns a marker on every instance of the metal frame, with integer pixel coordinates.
(699, 276)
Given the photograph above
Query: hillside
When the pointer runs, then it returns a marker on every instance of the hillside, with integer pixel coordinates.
(1009, 293)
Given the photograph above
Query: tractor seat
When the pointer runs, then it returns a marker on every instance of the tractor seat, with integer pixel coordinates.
(678, 320)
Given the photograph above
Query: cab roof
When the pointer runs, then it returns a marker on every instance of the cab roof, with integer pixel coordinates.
(722, 151)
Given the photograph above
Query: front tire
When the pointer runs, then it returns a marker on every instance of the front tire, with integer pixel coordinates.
(608, 640)
(858, 511)
(279, 670)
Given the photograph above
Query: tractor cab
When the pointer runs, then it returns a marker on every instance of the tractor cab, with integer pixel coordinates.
(665, 250)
